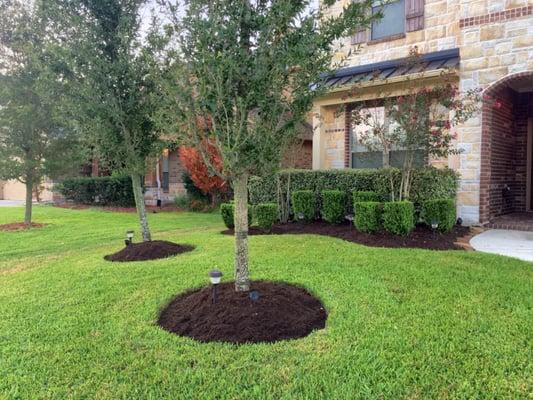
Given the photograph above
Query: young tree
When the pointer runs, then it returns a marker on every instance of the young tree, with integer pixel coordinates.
(253, 68)
(33, 141)
(115, 62)
(422, 120)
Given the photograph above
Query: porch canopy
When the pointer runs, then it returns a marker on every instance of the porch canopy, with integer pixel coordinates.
(431, 64)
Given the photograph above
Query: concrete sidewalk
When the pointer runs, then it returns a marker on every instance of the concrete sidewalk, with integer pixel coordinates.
(517, 244)
(11, 203)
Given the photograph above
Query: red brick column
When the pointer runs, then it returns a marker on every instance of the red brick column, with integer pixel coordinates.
(347, 133)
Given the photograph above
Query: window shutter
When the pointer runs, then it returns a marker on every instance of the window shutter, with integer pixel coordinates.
(359, 37)
(414, 15)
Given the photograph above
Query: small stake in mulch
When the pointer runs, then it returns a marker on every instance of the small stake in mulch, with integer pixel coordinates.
(434, 226)
(349, 218)
(215, 276)
(129, 238)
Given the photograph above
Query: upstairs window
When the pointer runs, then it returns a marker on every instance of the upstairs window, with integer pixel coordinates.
(393, 21)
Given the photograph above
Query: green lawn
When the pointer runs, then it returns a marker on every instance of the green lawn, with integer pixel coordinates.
(413, 324)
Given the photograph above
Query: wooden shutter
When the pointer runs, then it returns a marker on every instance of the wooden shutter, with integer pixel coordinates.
(359, 37)
(414, 15)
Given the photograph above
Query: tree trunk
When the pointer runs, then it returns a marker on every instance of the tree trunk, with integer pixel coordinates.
(29, 201)
(141, 209)
(242, 278)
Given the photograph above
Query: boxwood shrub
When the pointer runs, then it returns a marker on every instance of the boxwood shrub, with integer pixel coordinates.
(428, 183)
(304, 203)
(440, 210)
(333, 206)
(398, 217)
(266, 215)
(360, 195)
(367, 216)
(227, 210)
(105, 190)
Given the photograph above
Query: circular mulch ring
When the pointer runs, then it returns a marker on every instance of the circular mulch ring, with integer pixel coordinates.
(282, 312)
(19, 226)
(152, 250)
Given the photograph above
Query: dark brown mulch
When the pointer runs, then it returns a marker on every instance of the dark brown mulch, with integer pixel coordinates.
(149, 251)
(422, 237)
(18, 226)
(282, 312)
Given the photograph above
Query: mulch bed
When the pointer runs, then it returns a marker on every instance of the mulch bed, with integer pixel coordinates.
(282, 312)
(152, 250)
(18, 226)
(422, 237)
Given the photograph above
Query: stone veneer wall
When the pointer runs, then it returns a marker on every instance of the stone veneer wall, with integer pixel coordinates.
(495, 38)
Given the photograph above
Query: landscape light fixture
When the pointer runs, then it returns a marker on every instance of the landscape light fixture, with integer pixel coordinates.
(301, 216)
(215, 276)
(349, 218)
(434, 226)
(129, 238)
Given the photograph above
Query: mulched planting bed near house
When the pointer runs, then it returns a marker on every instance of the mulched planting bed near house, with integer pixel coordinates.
(18, 226)
(149, 251)
(422, 237)
(281, 312)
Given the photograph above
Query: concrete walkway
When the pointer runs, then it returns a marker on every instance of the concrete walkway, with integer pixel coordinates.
(517, 244)
(11, 203)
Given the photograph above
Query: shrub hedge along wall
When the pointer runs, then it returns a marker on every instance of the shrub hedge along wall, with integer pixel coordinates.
(428, 183)
(105, 190)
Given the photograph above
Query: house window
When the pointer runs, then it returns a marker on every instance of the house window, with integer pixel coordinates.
(372, 156)
(393, 21)
(165, 169)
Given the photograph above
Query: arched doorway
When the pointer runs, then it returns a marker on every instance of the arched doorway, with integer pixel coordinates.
(506, 174)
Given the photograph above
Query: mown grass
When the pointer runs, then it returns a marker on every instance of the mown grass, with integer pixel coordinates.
(413, 324)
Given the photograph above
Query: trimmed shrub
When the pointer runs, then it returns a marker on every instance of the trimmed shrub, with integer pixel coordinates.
(104, 190)
(442, 211)
(428, 183)
(227, 210)
(266, 215)
(367, 216)
(398, 217)
(360, 196)
(304, 203)
(333, 206)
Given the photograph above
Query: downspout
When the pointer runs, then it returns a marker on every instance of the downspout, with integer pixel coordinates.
(158, 180)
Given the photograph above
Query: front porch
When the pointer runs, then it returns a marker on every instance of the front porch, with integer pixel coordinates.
(520, 221)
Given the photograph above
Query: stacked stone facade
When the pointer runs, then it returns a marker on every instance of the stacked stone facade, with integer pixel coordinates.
(495, 41)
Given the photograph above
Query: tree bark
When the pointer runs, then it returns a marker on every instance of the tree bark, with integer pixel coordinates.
(29, 201)
(242, 275)
(141, 209)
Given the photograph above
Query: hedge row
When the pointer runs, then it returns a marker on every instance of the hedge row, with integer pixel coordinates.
(428, 183)
(105, 190)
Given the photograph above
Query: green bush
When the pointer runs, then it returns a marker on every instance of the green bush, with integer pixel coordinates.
(367, 216)
(105, 190)
(304, 202)
(398, 217)
(227, 211)
(360, 196)
(266, 215)
(441, 211)
(428, 183)
(333, 206)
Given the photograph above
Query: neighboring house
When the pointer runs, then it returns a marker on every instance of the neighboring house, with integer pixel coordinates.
(489, 45)
(164, 180)
(14, 190)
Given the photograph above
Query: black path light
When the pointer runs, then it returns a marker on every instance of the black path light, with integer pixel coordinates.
(301, 216)
(215, 276)
(434, 226)
(129, 237)
(349, 218)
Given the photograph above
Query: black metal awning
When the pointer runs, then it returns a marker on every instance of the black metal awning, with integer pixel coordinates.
(439, 60)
